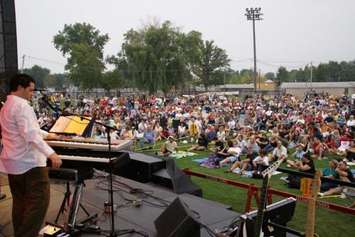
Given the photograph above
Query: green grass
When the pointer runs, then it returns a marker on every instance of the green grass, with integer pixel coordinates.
(328, 222)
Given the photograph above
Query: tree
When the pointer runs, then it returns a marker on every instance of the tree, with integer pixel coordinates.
(300, 75)
(85, 69)
(246, 76)
(157, 57)
(282, 75)
(270, 76)
(321, 73)
(213, 60)
(40, 74)
(111, 80)
(58, 81)
(83, 45)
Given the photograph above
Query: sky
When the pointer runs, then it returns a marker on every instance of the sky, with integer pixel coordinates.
(292, 33)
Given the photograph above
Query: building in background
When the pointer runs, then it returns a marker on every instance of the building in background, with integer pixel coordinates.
(299, 89)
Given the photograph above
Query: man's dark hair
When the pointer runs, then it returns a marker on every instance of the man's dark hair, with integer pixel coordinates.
(20, 79)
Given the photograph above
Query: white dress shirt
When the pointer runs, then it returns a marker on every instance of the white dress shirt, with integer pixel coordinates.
(22, 138)
(279, 152)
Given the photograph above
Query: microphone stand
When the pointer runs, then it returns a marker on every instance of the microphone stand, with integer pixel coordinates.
(108, 129)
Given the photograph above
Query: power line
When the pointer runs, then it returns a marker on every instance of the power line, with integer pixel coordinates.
(45, 60)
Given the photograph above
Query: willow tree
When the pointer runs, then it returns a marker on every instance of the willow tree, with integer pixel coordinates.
(156, 57)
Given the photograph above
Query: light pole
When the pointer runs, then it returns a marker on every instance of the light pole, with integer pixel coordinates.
(254, 14)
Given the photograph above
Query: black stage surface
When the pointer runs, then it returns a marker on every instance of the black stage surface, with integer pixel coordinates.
(137, 210)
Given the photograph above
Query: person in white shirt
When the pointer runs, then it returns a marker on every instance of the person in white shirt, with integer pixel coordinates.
(262, 160)
(24, 158)
(279, 152)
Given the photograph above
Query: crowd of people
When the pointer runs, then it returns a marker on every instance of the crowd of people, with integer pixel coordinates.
(243, 135)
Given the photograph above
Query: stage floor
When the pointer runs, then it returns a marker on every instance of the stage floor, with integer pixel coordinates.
(136, 210)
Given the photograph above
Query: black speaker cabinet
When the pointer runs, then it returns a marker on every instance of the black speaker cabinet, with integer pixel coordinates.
(172, 177)
(177, 220)
(141, 167)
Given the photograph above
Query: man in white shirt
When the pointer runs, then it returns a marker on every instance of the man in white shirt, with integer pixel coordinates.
(24, 158)
(279, 152)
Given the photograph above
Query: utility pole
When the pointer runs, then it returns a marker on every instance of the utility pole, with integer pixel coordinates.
(311, 76)
(254, 14)
(23, 62)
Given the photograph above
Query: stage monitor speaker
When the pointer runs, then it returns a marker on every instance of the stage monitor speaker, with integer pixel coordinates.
(177, 220)
(141, 167)
(172, 177)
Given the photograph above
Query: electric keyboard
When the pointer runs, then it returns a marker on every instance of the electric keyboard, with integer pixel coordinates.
(91, 144)
(85, 160)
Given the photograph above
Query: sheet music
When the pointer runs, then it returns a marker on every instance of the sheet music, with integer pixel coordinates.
(60, 125)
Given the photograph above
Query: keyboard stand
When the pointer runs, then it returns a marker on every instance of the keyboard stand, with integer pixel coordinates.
(72, 224)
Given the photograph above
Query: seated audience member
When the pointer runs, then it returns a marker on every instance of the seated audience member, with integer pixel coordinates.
(305, 165)
(262, 141)
(242, 143)
(158, 131)
(222, 149)
(253, 145)
(279, 152)
(330, 173)
(221, 134)
(345, 143)
(318, 148)
(182, 131)
(168, 147)
(219, 154)
(211, 133)
(149, 135)
(234, 152)
(139, 137)
(298, 154)
(126, 134)
(330, 144)
(343, 173)
(271, 145)
(202, 143)
(261, 161)
(244, 165)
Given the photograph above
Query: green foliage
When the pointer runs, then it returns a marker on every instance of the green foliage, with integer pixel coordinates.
(83, 45)
(58, 81)
(324, 72)
(40, 75)
(160, 57)
(270, 76)
(155, 58)
(85, 67)
(282, 75)
(111, 80)
(212, 61)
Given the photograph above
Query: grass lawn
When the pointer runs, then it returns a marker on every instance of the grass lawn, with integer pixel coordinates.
(328, 222)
